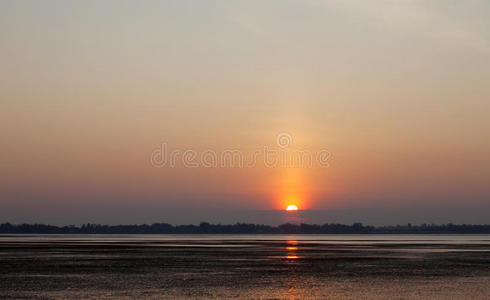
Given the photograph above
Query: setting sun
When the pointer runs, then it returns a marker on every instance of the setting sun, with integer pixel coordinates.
(291, 208)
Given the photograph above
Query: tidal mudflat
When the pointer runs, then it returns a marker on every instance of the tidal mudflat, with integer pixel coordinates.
(245, 266)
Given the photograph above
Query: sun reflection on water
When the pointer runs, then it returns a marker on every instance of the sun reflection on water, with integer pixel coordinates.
(291, 251)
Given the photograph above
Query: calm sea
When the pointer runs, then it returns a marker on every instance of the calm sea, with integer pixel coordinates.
(245, 266)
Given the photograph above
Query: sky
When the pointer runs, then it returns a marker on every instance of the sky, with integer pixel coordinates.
(394, 96)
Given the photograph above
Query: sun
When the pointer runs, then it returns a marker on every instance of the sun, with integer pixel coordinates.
(291, 208)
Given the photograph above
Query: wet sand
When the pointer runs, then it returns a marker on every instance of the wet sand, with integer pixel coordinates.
(259, 267)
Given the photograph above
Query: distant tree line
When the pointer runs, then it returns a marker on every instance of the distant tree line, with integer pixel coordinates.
(242, 228)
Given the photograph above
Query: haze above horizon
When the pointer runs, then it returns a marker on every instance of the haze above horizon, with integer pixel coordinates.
(175, 111)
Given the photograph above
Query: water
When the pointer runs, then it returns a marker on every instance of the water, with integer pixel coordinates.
(245, 266)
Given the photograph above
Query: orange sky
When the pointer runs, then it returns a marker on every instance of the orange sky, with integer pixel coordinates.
(397, 93)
